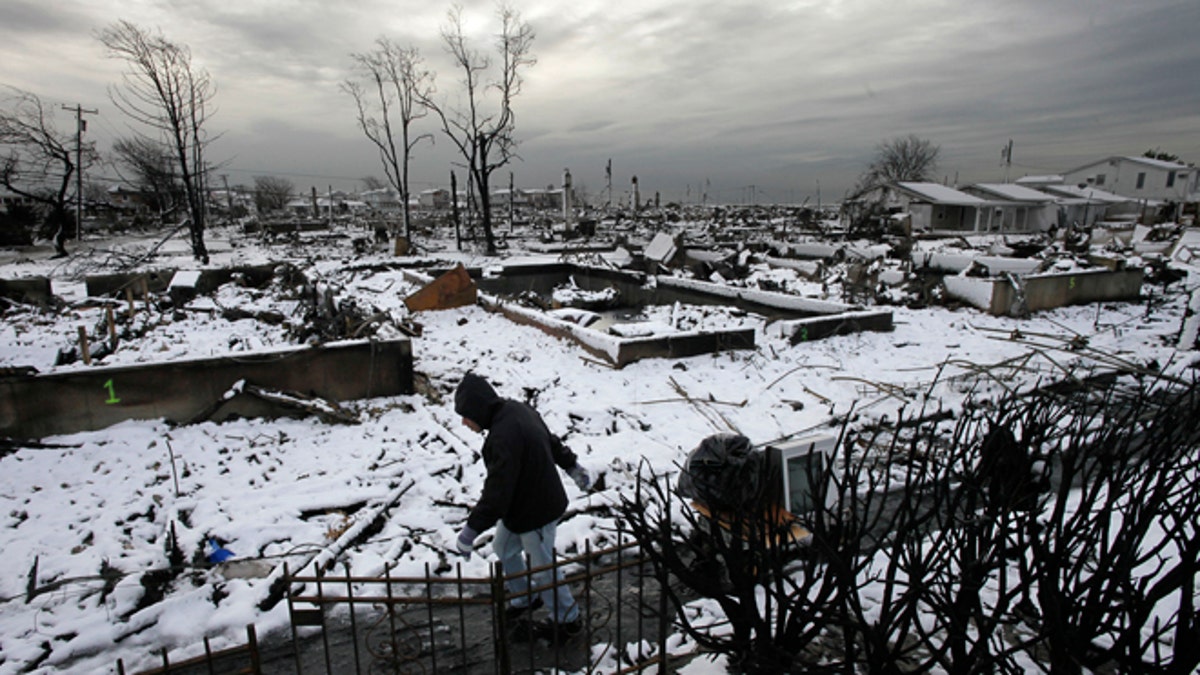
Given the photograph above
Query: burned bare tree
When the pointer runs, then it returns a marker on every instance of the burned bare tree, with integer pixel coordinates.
(389, 91)
(149, 167)
(40, 162)
(900, 159)
(272, 193)
(904, 158)
(163, 91)
(482, 126)
(1057, 527)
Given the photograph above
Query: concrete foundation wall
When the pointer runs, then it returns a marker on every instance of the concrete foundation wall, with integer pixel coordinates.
(803, 330)
(1047, 291)
(94, 398)
(807, 319)
(542, 279)
(157, 280)
(680, 346)
(34, 290)
(154, 281)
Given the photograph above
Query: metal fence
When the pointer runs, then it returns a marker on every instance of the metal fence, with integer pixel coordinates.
(443, 622)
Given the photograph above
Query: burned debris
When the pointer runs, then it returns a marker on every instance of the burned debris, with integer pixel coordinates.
(912, 495)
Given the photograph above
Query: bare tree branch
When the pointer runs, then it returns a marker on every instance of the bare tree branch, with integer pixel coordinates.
(391, 81)
(38, 161)
(482, 126)
(162, 90)
(904, 158)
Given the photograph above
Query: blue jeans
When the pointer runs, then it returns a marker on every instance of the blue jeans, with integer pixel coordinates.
(539, 545)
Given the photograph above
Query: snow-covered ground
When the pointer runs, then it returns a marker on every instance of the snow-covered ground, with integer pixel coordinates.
(95, 512)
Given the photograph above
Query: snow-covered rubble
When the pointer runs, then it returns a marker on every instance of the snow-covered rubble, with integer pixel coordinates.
(86, 516)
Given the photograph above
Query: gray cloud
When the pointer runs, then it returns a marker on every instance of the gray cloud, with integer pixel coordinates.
(782, 94)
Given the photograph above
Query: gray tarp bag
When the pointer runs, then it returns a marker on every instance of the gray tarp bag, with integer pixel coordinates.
(724, 473)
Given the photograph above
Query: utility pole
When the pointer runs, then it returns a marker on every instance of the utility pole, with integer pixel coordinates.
(748, 191)
(454, 210)
(80, 127)
(608, 183)
(228, 195)
(568, 208)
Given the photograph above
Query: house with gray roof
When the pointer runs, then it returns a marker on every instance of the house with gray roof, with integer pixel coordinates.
(936, 207)
(1139, 178)
(1017, 208)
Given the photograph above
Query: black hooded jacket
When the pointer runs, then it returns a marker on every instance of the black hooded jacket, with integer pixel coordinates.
(523, 487)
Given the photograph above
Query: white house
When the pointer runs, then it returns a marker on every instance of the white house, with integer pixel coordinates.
(434, 198)
(1139, 178)
(500, 198)
(933, 206)
(1087, 205)
(1017, 208)
(325, 207)
(8, 199)
(384, 200)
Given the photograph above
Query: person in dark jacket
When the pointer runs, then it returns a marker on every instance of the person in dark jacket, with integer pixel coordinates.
(522, 495)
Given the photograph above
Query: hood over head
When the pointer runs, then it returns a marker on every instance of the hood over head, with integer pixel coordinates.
(476, 400)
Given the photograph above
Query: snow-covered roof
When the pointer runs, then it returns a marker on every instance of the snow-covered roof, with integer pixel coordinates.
(1047, 179)
(1158, 163)
(1145, 161)
(936, 192)
(1013, 192)
(1089, 194)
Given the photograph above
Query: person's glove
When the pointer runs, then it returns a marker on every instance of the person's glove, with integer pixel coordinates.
(580, 476)
(466, 542)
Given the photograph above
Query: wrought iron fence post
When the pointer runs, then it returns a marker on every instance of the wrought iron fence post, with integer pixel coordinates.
(287, 590)
(321, 611)
(620, 585)
(662, 589)
(462, 616)
(429, 613)
(586, 608)
(499, 602)
(353, 620)
(387, 573)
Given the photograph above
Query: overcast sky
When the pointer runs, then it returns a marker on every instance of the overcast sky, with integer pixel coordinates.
(764, 101)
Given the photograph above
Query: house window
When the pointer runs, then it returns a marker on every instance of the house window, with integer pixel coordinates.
(1170, 179)
(1141, 181)
(1099, 179)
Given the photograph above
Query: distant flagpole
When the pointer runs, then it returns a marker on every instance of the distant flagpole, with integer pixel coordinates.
(1006, 153)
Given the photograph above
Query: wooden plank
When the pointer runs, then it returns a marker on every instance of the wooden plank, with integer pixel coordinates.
(776, 518)
(452, 289)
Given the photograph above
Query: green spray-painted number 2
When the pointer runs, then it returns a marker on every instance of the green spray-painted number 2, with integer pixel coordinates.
(112, 393)
(804, 333)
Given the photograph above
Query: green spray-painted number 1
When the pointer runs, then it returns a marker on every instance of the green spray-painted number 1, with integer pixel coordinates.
(112, 393)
